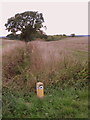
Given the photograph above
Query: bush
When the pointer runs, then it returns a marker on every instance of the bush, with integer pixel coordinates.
(72, 35)
(13, 37)
(55, 37)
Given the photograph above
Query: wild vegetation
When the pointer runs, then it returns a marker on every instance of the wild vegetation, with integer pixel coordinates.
(38, 35)
(63, 68)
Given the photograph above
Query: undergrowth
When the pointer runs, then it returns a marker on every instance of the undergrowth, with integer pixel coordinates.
(58, 102)
(66, 88)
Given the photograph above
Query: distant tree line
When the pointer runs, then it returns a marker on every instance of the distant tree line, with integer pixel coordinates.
(40, 35)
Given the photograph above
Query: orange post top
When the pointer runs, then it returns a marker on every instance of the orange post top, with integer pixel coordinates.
(39, 83)
(40, 89)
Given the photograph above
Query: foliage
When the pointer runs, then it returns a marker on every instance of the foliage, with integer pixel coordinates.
(27, 23)
(55, 37)
(73, 35)
(18, 69)
(66, 88)
(35, 36)
(40, 35)
(69, 102)
(13, 37)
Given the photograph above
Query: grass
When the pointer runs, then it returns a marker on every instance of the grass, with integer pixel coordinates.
(57, 103)
(66, 86)
(81, 55)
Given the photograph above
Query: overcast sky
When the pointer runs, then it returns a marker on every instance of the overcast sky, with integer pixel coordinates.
(60, 17)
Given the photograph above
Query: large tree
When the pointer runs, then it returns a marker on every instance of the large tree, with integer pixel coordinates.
(28, 23)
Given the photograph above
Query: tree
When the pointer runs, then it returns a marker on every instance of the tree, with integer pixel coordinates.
(64, 35)
(28, 23)
(73, 35)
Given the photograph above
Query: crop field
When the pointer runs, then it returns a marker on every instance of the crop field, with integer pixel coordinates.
(63, 68)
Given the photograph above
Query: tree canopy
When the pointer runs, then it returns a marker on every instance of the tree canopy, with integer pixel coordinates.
(28, 23)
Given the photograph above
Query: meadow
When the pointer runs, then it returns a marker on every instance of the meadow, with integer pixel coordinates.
(63, 68)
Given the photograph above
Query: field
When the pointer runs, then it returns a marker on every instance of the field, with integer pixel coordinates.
(63, 68)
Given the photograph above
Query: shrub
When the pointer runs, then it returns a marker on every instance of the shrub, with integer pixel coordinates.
(72, 35)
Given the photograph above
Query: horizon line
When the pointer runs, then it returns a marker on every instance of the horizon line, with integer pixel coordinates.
(57, 34)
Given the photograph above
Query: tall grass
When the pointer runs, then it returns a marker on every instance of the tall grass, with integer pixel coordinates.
(23, 67)
(65, 82)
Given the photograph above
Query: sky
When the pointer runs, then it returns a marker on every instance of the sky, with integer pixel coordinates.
(60, 17)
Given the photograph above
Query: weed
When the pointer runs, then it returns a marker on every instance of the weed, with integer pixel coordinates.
(65, 82)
